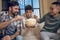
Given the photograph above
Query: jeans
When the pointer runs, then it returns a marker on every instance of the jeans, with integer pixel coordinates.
(48, 35)
(1, 36)
(19, 37)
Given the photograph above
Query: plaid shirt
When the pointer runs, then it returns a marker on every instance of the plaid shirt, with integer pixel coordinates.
(12, 27)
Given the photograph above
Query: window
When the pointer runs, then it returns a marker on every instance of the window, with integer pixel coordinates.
(33, 3)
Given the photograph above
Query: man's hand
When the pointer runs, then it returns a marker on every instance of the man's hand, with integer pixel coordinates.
(14, 35)
(6, 38)
(5, 24)
(36, 17)
(17, 18)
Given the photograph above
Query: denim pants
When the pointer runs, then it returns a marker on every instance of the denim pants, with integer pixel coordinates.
(1, 36)
(19, 37)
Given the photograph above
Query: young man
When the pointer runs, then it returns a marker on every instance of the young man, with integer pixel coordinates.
(52, 22)
(31, 32)
(28, 14)
(8, 21)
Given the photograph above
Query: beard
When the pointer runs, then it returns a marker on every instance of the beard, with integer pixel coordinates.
(15, 14)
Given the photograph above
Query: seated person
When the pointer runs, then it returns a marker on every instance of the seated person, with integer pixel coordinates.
(9, 22)
(31, 32)
(28, 13)
(52, 22)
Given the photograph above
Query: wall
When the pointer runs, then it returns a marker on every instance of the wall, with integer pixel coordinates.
(58, 0)
(44, 6)
(0, 5)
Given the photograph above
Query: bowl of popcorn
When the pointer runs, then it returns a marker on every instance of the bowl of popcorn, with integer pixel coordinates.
(30, 23)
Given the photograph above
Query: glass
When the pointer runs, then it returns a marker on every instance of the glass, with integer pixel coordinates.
(21, 3)
(22, 12)
(35, 3)
(28, 2)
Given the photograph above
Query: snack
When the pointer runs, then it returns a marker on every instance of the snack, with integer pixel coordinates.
(30, 22)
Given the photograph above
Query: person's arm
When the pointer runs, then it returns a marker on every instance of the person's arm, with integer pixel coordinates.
(18, 32)
(5, 24)
(6, 38)
(44, 17)
(58, 31)
(14, 35)
(41, 20)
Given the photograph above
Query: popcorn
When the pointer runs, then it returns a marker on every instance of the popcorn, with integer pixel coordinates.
(30, 22)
